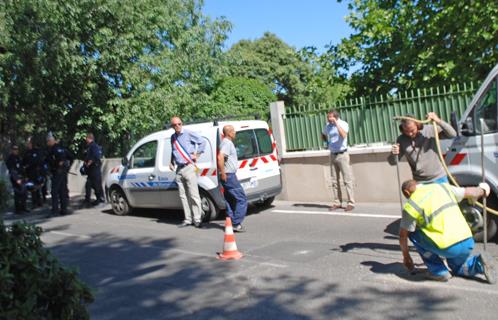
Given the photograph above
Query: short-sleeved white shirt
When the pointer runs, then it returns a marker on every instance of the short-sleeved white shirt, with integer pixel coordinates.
(335, 142)
(231, 160)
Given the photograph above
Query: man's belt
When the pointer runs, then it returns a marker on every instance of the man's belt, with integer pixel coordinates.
(339, 152)
(181, 165)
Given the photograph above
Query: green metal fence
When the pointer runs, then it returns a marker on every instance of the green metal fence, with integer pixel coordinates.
(370, 119)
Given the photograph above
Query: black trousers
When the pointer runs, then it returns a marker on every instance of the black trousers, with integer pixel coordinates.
(60, 192)
(37, 197)
(94, 181)
(20, 194)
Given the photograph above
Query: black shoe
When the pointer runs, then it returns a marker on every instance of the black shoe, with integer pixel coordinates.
(184, 224)
(487, 264)
(66, 212)
(86, 204)
(97, 202)
(239, 228)
(200, 225)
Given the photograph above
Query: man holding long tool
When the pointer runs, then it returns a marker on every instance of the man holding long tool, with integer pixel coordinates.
(418, 144)
(432, 220)
(186, 147)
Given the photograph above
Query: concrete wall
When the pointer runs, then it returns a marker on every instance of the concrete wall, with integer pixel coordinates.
(76, 182)
(306, 176)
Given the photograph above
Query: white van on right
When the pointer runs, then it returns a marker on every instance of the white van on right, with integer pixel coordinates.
(463, 154)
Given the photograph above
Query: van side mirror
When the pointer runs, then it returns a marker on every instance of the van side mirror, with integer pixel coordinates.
(454, 122)
(467, 128)
(124, 161)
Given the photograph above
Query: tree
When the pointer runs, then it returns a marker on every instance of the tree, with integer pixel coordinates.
(274, 63)
(406, 44)
(119, 68)
(323, 84)
(242, 97)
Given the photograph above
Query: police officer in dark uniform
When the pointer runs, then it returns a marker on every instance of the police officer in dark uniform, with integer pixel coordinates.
(92, 168)
(17, 178)
(59, 161)
(34, 165)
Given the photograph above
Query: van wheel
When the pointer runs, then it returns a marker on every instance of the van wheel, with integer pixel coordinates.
(208, 209)
(266, 203)
(119, 203)
(475, 219)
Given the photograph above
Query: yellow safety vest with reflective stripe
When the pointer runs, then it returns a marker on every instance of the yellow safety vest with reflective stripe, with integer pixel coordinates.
(438, 215)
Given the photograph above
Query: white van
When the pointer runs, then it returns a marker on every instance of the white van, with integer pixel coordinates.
(463, 153)
(144, 179)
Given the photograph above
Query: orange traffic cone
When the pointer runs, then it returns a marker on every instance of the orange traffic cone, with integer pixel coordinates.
(230, 251)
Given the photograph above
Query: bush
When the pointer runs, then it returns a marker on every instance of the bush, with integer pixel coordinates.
(5, 195)
(33, 284)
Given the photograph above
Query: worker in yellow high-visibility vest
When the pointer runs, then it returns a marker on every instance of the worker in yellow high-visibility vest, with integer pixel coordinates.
(432, 220)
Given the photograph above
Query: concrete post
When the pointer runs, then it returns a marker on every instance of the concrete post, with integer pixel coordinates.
(277, 110)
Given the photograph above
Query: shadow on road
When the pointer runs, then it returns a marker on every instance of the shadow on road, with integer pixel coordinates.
(371, 246)
(146, 278)
(393, 228)
(311, 205)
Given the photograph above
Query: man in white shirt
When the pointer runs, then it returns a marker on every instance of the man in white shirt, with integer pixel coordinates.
(335, 133)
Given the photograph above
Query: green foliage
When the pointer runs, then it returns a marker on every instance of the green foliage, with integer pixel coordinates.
(323, 84)
(241, 97)
(296, 77)
(33, 284)
(5, 195)
(116, 67)
(274, 63)
(412, 44)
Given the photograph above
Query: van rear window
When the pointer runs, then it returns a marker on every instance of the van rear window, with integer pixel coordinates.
(245, 144)
(253, 143)
(264, 142)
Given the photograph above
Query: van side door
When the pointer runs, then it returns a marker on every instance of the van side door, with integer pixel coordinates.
(141, 175)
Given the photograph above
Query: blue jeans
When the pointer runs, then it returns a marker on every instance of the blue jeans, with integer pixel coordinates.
(457, 256)
(438, 180)
(235, 199)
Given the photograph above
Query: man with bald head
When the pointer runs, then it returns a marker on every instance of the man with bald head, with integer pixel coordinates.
(186, 146)
(235, 197)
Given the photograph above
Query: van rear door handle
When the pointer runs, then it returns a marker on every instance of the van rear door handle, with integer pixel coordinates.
(252, 169)
(152, 177)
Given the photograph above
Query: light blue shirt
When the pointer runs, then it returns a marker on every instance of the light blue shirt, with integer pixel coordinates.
(335, 142)
(191, 143)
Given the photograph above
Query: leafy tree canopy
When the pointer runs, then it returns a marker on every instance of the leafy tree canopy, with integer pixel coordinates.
(405, 44)
(274, 63)
(120, 68)
(236, 96)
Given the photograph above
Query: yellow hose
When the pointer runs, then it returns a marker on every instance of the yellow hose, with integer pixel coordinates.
(440, 153)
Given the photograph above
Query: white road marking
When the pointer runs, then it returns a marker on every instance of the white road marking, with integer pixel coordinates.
(66, 234)
(345, 214)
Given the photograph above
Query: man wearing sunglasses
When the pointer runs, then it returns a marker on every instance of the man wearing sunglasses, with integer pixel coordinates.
(186, 147)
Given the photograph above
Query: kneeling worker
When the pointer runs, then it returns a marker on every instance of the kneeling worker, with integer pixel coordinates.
(437, 228)
(235, 197)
